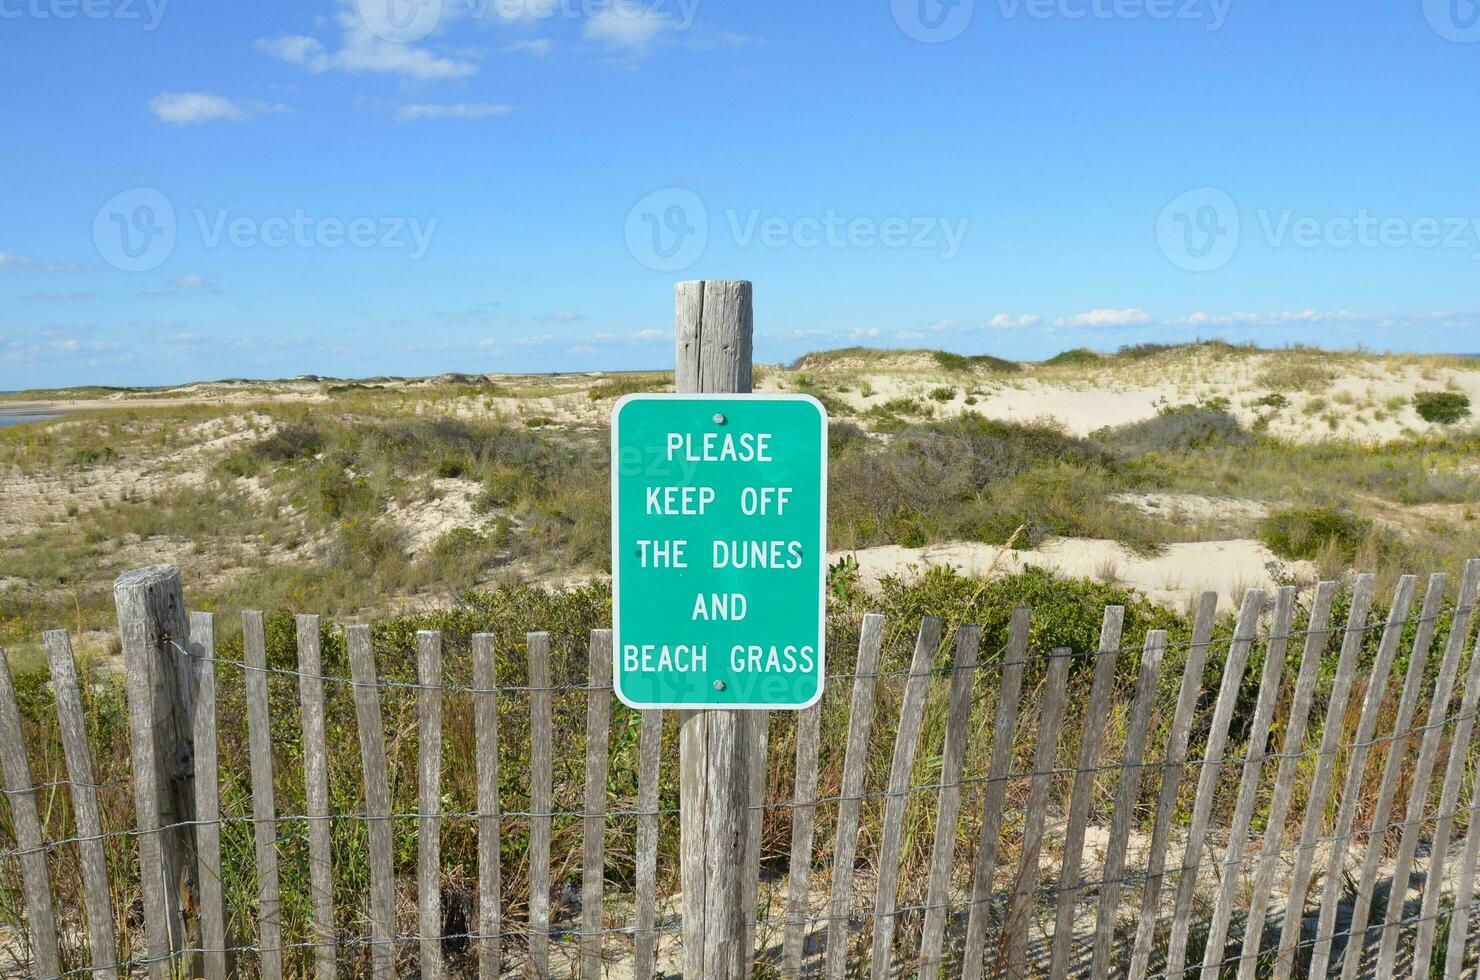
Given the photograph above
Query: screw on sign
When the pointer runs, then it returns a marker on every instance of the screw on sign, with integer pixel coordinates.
(719, 550)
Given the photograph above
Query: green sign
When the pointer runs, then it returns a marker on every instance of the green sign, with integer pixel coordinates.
(719, 550)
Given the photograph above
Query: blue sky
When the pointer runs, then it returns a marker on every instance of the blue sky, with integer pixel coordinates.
(203, 190)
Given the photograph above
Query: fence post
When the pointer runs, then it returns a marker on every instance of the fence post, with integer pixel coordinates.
(714, 330)
(154, 598)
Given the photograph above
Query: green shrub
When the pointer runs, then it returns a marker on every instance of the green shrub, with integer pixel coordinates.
(617, 387)
(93, 455)
(1175, 430)
(1442, 407)
(971, 362)
(290, 443)
(1307, 532)
(1142, 352)
(943, 394)
(1273, 400)
(1078, 357)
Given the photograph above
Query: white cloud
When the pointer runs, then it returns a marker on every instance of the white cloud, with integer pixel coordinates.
(1200, 319)
(191, 280)
(629, 26)
(457, 110)
(189, 108)
(24, 263)
(1106, 318)
(77, 297)
(564, 316)
(535, 47)
(361, 51)
(1006, 321)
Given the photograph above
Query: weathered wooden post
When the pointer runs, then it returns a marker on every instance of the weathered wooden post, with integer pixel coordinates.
(151, 616)
(715, 328)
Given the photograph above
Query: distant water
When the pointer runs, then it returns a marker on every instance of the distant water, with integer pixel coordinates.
(24, 418)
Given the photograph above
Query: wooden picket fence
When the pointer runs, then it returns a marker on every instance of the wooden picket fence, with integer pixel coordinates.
(1188, 872)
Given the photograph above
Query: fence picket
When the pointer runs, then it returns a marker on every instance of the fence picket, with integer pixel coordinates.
(1020, 906)
(1455, 774)
(593, 856)
(264, 809)
(851, 798)
(92, 858)
(26, 823)
(948, 803)
(1341, 687)
(1132, 773)
(377, 802)
(485, 727)
(1270, 682)
(429, 801)
(1082, 798)
(541, 799)
(1356, 770)
(1377, 823)
(759, 735)
(891, 837)
(1428, 752)
(137, 653)
(1317, 639)
(649, 746)
(316, 794)
(1207, 780)
(1464, 903)
(208, 797)
(984, 867)
(803, 823)
(1172, 771)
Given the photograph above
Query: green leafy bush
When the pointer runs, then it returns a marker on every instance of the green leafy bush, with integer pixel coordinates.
(93, 455)
(971, 362)
(1175, 430)
(1442, 407)
(943, 394)
(1078, 357)
(1306, 532)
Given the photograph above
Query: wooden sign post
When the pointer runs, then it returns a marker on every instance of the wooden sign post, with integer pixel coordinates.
(715, 326)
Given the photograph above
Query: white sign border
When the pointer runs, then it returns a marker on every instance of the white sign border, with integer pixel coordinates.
(822, 565)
